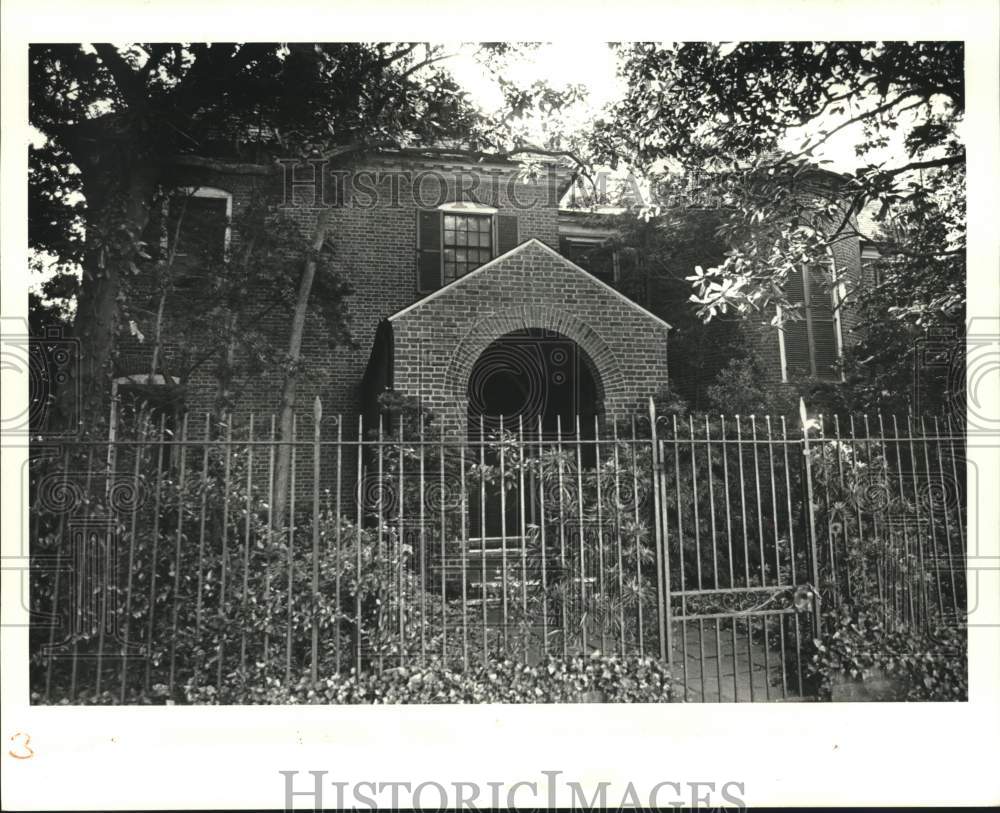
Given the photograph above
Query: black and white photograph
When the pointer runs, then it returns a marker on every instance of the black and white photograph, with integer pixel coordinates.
(447, 373)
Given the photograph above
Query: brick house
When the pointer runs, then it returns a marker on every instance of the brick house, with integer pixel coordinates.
(464, 300)
(466, 296)
(448, 255)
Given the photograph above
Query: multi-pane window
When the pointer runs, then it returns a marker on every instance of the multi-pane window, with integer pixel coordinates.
(468, 243)
(812, 344)
(451, 242)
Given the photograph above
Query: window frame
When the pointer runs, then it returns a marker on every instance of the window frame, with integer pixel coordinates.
(838, 294)
(212, 192)
(598, 242)
(467, 209)
(869, 262)
(120, 383)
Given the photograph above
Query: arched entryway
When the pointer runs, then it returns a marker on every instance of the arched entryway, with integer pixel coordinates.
(530, 374)
(523, 381)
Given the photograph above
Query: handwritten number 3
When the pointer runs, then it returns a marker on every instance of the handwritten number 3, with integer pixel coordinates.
(22, 750)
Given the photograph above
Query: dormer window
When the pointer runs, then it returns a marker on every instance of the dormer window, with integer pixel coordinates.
(457, 238)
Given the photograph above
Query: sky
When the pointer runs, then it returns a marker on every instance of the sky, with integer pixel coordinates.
(593, 64)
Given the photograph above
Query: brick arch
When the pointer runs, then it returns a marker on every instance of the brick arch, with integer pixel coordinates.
(597, 354)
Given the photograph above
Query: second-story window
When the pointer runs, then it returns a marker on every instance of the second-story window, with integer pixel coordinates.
(811, 346)
(871, 268)
(468, 243)
(595, 255)
(197, 232)
(458, 238)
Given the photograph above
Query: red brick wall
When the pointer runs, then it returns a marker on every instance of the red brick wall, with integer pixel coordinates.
(374, 236)
(438, 342)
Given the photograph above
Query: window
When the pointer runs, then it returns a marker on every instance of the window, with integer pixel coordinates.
(458, 238)
(593, 255)
(149, 408)
(468, 243)
(811, 346)
(197, 230)
(870, 266)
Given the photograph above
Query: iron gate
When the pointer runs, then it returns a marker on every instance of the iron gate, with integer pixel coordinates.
(761, 531)
(738, 559)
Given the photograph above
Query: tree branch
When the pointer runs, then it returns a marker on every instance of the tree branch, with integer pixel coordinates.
(129, 82)
(210, 66)
(424, 64)
(860, 117)
(947, 161)
(582, 167)
(156, 51)
(399, 54)
(222, 166)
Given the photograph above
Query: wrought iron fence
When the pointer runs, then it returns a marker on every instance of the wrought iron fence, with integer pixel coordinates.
(166, 559)
(764, 529)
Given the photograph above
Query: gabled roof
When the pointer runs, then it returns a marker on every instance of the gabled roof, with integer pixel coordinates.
(483, 269)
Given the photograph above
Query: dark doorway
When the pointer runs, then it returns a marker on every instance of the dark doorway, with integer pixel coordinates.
(532, 373)
(519, 378)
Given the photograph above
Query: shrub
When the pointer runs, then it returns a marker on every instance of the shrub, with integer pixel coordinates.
(748, 385)
(609, 679)
(930, 665)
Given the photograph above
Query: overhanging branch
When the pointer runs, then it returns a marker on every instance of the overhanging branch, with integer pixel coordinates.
(129, 82)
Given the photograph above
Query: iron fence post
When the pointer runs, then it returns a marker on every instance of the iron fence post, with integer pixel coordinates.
(662, 554)
(804, 420)
(314, 600)
(869, 480)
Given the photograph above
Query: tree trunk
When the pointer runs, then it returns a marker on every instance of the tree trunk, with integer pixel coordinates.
(283, 454)
(227, 362)
(224, 371)
(119, 190)
(81, 396)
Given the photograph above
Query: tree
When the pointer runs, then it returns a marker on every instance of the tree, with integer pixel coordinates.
(119, 121)
(655, 256)
(915, 358)
(724, 114)
(116, 121)
(195, 305)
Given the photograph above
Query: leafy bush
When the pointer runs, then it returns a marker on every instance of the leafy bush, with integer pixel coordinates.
(931, 665)
(557, 680)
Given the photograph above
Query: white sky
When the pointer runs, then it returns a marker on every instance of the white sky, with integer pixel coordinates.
(593, 65)
(560, 64)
